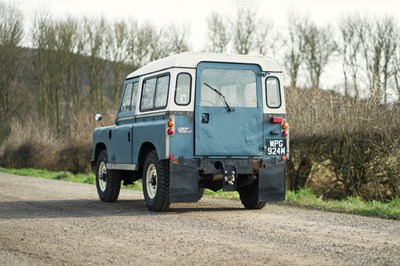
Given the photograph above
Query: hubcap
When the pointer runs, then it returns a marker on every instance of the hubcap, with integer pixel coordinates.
(102, 176)
(151, 181)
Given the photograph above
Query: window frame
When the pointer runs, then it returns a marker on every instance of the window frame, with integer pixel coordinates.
(279, 92)
(123, 97)
(155, 92)
(137, 94)
(131, 112)
(190, 88)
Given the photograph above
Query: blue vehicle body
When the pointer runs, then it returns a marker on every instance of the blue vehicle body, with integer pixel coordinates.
(214, 121)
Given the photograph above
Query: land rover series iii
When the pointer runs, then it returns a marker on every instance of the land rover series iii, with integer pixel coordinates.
(196, 121)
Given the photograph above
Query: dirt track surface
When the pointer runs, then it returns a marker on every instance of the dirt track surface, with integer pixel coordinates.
(47, 222)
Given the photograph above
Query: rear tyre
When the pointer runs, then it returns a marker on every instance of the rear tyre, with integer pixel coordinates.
(155, 183)
(249, 196)
(108, 182)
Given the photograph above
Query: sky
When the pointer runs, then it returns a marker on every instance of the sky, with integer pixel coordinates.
(195, 13)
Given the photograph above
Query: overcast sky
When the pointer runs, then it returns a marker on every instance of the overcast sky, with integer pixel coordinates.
(195, 13)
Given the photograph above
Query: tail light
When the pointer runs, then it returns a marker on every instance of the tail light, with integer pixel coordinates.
(285, 127)
(170, 130)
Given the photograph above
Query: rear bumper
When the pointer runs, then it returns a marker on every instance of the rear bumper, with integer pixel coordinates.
(216, 165)
(186, 176)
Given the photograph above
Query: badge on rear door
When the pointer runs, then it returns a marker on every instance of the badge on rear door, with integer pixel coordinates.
(184, 130)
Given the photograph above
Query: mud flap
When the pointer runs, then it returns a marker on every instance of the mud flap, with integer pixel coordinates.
(272, 183)
(184, 184)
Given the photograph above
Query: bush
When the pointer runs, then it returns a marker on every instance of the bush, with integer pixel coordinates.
(75, 157)
(32, 145)
(343, 146)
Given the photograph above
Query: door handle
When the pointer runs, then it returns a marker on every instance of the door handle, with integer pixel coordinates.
(205, 117)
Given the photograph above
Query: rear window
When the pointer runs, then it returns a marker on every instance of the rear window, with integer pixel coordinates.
(238, 86)
(273, 92)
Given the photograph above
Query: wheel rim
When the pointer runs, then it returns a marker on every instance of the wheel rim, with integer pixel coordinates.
(102, 176)
(151, 181)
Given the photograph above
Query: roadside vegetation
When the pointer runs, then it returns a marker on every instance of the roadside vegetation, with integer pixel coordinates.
(353, 205)
(302, 198)
(344, 137)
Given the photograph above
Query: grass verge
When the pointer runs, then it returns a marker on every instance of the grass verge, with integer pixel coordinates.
(354, 205)
(67, 176)
(303, 198)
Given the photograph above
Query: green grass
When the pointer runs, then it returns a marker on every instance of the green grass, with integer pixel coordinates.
(303, 198)
(67, 176)
(353, 205)
(221, 194)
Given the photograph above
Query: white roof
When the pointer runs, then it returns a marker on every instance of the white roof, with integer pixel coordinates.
(191, 60)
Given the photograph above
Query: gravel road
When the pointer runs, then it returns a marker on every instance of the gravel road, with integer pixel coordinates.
(48, 222)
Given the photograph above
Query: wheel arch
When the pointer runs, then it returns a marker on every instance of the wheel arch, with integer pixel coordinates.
(144, 150)
(99, 147)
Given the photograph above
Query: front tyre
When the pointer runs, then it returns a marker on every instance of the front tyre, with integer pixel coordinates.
(155, 183)
(108, 182)
(249, 196)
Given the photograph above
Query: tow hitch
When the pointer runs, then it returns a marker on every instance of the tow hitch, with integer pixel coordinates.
(229, 172)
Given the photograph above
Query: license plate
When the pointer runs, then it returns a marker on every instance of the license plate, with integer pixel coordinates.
(276, 146)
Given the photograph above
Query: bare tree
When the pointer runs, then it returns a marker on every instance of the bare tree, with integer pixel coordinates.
(47, 69)
(118, 40)
(176, 39)
(316, 51)
(144, 44)
(218, 34)
(156, 45)
(293, 55)
(68, 49)
(348, 48)
(11, 33)
(59, 71)
(266, 41)
(390, 32)
(396, 73)
(243, 30)
(96, 49)
(368, 49)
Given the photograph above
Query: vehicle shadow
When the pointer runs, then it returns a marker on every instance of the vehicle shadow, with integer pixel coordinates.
(196, 207)
(94, 208)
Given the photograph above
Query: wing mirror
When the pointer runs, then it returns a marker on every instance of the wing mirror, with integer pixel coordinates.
(98, 118)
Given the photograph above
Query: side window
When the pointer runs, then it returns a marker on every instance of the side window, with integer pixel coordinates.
(134, 96)
(273, 92)
(161, 95)
(182, 89)
(149, 87)
(154, 93)
(126, 100)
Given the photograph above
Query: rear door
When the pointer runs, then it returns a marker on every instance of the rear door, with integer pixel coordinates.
(228, 110)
